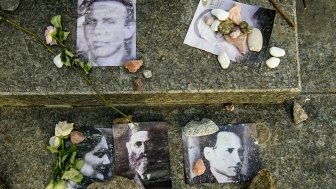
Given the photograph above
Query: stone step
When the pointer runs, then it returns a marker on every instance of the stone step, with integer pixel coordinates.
(298, 157)
(181, 74)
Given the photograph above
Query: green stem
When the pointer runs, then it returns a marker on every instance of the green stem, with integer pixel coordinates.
(19, 27)
(60, 43)
(87, 80)
(98, 93)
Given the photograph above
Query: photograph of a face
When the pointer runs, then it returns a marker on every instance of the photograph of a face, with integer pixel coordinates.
(200, 34)
(106, 31)
(227, 156)
(96, 150)
(142, 153)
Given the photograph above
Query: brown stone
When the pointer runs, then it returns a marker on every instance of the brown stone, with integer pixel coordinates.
(76, 137)
(199, 167)
(263, 180)
(123, 120)
(239, 42)
(138, 84)
(235, 14)
(260, 132)
(299, 114)
(133, 65)
(229, 107)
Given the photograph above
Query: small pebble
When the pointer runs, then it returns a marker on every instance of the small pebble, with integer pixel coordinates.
(133, 65)
(224, 60)
(147, 74)
(220, 14)
(255, 40)
(235, 33)
(273, 62)
(138, 84)
(260, 132)
(199, 167)
(299, 114)
(229, 107)
(277, 52)
(200, 128)
(214, 25)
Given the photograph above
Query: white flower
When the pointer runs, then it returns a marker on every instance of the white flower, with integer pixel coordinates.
(48, 33)
(63, 129)
(55, 142)
(57, 61)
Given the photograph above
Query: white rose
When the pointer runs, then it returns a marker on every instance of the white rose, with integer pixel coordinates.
(63, 129)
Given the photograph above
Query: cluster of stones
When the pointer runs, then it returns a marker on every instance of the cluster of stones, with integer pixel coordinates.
(235, 31)
(276, 53)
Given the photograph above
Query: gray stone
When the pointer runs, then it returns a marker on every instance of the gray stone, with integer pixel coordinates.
(263, 180)
(185, 75)
(200, 128)
(116, 182)
(316, 27)
(9, 5)
(297, 158)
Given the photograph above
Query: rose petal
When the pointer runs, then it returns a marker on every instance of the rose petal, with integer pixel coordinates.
(63, 129)
(55, 141)
(49, 39)
(58, 62)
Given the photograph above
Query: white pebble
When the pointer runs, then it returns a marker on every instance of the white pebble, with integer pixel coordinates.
(209, 20)
(147, 73)
(224, 60)
(235, 34)
(215, 25)
(255, 40)
(277, 52)
(273, 62)
(220, 14)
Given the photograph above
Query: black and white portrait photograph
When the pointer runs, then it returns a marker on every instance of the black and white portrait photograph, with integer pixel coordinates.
(230, 36)
(96, 150)
(227, 156)
(106, 31)
(142, 153)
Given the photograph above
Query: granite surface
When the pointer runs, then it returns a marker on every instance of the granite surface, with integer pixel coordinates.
(298, 157)
(317, 46)
(27, 69)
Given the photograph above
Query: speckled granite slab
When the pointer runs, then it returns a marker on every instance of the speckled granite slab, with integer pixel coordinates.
(181, 74)
(298, 157)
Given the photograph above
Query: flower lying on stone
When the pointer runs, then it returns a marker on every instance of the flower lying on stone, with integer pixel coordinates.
(68, 165)
(49, 33)
(63, 129)
(58, 61)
